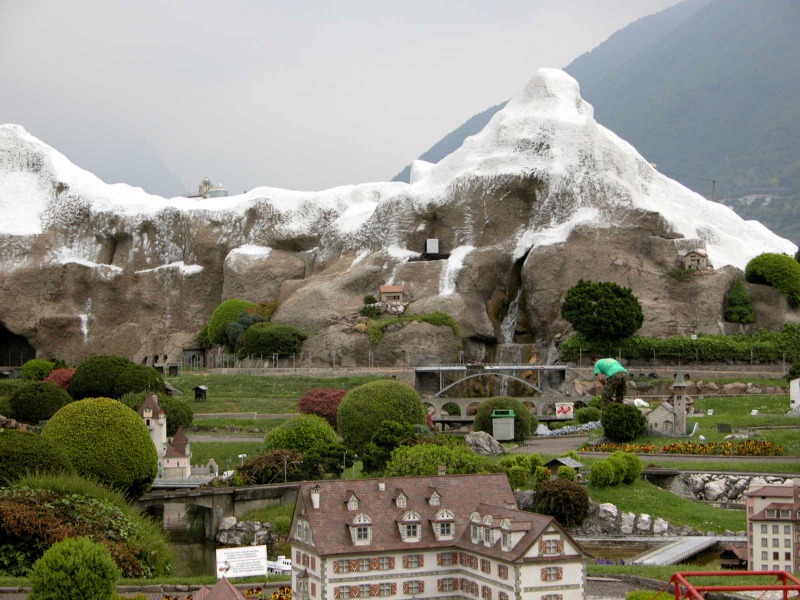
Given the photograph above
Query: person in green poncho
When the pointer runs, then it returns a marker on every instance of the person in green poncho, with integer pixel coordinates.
(614, 378)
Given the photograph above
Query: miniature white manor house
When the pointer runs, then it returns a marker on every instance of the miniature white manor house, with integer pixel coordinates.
(773, 527)
(428, 537)
(174, 456)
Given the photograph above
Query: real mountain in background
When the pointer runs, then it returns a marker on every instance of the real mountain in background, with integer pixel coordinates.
(707, 90)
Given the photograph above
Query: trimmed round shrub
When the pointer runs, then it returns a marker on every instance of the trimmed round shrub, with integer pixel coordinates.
(106, 441)
(524, 422)
(565, 472)
(526, 461)
(541, 474)
(61, 377)
(587, 414)
(517, 477)
(227, 312)
(620, 468)
(365, 407)
(602, 310)
(566, 501)
(113, 377)
(266, 339)
(778, 270)
(38, 401)
(633, 466)
(37, 369)
(300, 434)
(602, 474)
(75, 569)
(425, 460)
(622, 422)
(323, 402)
(25, 452)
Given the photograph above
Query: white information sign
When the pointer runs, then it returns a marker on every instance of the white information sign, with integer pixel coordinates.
(564, 410)
(241, 562)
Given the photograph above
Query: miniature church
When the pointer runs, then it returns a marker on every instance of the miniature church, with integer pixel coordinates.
(670, 418)
(174, 456)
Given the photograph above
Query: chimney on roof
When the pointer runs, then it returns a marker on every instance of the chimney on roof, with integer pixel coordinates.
(381, 486)
(315, 497)
(442, 470)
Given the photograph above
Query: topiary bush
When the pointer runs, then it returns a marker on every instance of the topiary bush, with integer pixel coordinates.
(266, 339)
(565, 472)
(778, 270)
(323, 402)
(25, 452)
(365, 407)
(602, 474)
(112, 377)
(524, 422)
(300, 434)
(587, 414)
(387, 437)
(541, 474)
(425, 460)
(526, 461)
(620, 468)
(633, 466)
(38, 401)
(61, 377)
(37, 369)
(235, 331)
(739, 305)
(602, 310)
(622, 422)
(75, 569)
(272, 466)
(566, 501)
(107, 441)
(227, 312)
(518, 477)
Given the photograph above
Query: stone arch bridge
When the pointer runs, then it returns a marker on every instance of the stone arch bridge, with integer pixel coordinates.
(222, 502)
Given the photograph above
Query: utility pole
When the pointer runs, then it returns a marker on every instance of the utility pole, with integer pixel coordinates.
(713, 190)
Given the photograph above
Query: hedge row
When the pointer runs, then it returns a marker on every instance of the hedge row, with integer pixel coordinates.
(377, 327)
(762, 347)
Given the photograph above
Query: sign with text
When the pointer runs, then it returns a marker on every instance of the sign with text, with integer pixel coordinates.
(241, 562)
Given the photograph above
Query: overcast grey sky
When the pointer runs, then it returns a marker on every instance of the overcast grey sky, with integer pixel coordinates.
(295, 94)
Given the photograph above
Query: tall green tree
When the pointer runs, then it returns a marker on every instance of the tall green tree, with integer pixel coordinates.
(602, 310)
(739, 305)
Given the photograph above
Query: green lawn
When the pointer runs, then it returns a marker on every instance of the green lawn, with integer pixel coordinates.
(225, 453)
(644, 497)
(221, 424)
(253, 393)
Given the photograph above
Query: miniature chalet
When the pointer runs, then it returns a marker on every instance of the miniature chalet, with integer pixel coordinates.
(428, 537)
(174, 456)
(694, 260)
(773, 527)
(390, 293)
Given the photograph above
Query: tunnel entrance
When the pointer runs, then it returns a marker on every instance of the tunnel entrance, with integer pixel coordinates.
(15, 350)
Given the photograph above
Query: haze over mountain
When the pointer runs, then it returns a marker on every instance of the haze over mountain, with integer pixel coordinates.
(707, 90)
(520, 210)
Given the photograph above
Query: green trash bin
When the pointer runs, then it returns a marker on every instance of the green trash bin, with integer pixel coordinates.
(503, 424)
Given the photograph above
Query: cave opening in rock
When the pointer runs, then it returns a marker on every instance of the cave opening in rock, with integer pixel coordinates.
(15, 350)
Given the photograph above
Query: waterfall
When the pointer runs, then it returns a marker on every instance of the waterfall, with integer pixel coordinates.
(455, 262)
(85, 320)
(509, 324)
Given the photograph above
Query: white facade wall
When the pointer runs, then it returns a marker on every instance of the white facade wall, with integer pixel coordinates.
(524, 580)
(773, 544)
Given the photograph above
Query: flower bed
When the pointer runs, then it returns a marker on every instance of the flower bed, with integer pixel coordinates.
(728, 448)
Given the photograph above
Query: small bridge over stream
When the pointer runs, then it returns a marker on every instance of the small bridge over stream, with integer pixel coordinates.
(222, 502)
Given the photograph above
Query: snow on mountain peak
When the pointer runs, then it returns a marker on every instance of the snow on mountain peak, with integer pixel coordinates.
(545, 138)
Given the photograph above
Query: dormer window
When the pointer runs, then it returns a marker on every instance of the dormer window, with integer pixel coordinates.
(410, 527)
(443, 525)
(352, 503)
(401, 501)
(361, 530)
(505, 534)
(435, 499)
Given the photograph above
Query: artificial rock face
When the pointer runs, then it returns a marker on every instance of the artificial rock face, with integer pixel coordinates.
(542, 197)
